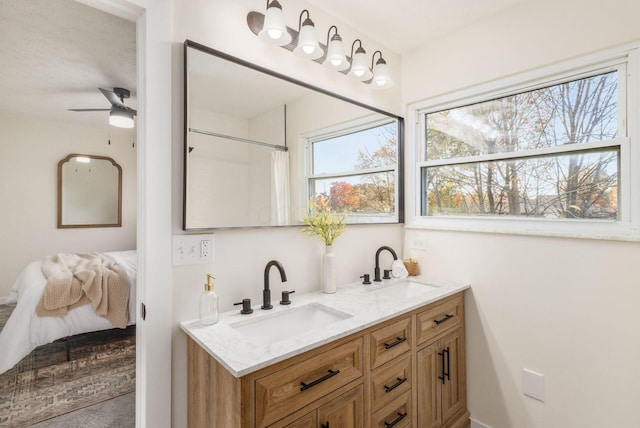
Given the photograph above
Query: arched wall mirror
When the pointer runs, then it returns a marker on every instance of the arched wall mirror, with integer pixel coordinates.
(260, 145)
(89, 192)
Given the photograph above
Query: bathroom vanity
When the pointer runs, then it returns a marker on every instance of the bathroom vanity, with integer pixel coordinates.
(386, 355)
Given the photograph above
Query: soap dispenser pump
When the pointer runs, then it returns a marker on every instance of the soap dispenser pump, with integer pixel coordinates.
(209, 303)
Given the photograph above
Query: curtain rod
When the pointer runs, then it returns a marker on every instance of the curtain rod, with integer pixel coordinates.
(243, 140)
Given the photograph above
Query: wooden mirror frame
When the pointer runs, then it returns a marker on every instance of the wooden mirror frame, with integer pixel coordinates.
(73, 226)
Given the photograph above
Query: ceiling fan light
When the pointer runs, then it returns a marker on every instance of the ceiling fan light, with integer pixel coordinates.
(121, 118)
(274, 29)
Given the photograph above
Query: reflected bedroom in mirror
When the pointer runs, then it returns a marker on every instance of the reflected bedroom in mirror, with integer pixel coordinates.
(259, 146)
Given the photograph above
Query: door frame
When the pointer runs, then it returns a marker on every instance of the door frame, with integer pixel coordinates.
(154, 140)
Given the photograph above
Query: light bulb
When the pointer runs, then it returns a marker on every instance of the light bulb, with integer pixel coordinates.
(274, 33)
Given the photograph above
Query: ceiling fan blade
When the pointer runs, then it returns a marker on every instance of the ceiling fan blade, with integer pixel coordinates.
(112, 97)
(88, 109)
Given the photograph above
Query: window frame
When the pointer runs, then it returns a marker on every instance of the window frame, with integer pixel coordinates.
(343, 129)
(626, 227)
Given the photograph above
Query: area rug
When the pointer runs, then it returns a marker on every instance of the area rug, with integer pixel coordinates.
(45, 385)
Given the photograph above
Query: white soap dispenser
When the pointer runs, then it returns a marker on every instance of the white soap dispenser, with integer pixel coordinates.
(209, 303)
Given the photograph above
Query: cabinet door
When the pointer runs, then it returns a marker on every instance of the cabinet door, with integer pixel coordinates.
(454, 388)
(307, 421)
(429, 368)
(345, 411)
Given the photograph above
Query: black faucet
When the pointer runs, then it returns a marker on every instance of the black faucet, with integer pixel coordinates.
(376, 271)
(266, 293)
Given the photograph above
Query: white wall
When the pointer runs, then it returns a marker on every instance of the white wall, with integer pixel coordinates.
(564, 307)
(241, 255)
(30, 149)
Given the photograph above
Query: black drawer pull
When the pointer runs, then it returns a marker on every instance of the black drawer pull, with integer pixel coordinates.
(446, 317)
(398, 341)
(325, 425)
(395, 385)
(329, 375)
(394, 422)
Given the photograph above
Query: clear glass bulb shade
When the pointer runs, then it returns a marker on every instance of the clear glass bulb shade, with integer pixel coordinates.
(308, 46)
(274, 29)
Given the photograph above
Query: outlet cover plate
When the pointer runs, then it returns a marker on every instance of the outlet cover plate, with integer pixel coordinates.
(192, 249)
(533, 384)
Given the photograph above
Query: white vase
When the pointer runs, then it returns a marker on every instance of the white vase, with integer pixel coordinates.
(329, 271)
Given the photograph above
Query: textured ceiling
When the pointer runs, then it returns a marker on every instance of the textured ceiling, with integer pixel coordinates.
(57, 53)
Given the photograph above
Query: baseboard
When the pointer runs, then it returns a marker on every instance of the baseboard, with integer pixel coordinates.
(477, 424)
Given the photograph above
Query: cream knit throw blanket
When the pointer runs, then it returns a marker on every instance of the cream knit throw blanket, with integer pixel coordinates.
(75, 280)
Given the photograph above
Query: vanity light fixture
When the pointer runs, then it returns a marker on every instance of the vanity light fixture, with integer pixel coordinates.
(381, 78)
(121, 118)
(271, 28)
(359, 65)
(274, 29)
(336, 58)
(308, 46)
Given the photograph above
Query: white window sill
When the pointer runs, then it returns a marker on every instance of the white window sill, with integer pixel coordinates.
(611, 231)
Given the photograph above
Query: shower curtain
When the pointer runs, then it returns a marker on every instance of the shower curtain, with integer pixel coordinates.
(280, 188)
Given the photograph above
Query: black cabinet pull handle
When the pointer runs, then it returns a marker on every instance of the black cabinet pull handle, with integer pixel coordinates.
(398, 341)
(394, 422)
(395, 385)
(325, 425)
(448, 372)
(329, 375)
(441, 355)
(446, 317)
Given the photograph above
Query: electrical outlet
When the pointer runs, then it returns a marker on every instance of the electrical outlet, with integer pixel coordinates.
(204, 248)
(192, 249)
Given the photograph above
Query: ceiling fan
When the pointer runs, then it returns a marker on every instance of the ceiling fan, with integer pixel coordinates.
(120, 115)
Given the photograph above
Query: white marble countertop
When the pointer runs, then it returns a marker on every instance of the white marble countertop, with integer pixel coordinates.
(364, 305)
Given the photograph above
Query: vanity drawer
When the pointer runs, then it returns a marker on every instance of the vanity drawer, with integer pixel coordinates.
(293, 387)
(390, 341)
(438, 319)
(397, 414)
(390, 381)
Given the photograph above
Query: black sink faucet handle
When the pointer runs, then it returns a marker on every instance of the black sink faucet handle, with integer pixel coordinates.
(285, 297)
(365, 279)
(246, 306)
(387, 274)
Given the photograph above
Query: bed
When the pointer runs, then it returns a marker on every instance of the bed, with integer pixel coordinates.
(24, 330)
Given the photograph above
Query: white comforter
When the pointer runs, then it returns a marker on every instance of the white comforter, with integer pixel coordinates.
(24, 330)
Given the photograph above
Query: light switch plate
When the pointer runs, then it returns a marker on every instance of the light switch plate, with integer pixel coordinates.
(192, 249)
(533, 384)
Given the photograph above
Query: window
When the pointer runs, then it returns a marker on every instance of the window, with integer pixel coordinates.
(552, 155)
(356, 167)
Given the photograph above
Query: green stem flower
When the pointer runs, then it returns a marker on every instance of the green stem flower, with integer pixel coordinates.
(323, 222)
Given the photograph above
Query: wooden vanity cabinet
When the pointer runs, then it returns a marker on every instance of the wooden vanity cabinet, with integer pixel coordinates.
(344, 411)
(440, 368)
(389, 375)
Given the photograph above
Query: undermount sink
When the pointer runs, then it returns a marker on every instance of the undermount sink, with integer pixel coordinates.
(404, 289)
(289, 323)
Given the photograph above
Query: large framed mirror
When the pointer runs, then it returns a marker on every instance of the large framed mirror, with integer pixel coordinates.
(258, 146)
(89, 192)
